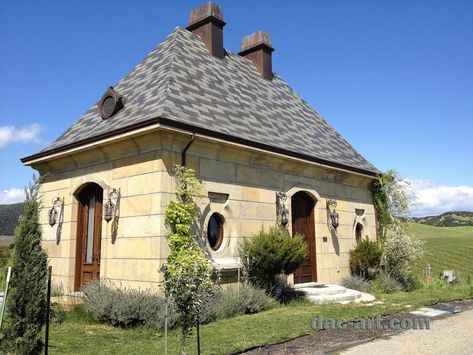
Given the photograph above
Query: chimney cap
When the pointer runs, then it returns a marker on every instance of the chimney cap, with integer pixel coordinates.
(205, 13)
(255, 41)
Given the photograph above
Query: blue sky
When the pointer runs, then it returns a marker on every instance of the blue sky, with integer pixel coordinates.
(395, 78)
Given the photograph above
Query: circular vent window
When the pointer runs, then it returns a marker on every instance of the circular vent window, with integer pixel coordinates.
(110, 103)
(215, 231)
(108, 106)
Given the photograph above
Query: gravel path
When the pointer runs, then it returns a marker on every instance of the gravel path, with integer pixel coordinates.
(449, 335)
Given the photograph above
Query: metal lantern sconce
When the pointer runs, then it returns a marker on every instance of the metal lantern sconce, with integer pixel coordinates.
(333, 214)
(112, 206)
(58, 202)
(281, 211)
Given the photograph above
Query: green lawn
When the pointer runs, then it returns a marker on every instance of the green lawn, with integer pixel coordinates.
(225, 336)
(447, 248)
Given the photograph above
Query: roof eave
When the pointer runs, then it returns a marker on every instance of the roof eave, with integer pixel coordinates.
(29, 160)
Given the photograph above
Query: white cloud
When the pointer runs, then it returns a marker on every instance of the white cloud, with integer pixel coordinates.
(430, 198)
(12, 196)
(11, 134)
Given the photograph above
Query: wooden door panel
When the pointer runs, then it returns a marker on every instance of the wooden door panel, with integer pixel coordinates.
(303, 224)
(88, 235)
(86, 277)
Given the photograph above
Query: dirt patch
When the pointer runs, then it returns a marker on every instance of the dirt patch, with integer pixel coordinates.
(329, 341)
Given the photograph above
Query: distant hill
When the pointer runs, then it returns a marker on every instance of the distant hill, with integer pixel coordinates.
(448, 219)
(9, 217)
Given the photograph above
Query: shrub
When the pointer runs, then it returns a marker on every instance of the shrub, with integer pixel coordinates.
(271, 253)
(365, 259)
(356, 283)
(412, 283)
(57, 313)
(231, 302)
(386, 284)
(400, 251)
(125, 307)
(26, 303)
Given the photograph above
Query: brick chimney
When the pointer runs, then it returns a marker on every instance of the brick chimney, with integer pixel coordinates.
(257, 48)
(207, 22)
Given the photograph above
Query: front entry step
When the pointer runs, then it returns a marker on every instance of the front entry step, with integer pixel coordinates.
(328, 293)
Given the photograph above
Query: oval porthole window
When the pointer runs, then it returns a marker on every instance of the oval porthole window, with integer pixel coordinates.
(110, 103)
(215, 231)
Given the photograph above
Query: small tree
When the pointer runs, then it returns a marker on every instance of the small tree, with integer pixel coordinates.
(26, 303)
(401, 250)
(365, 258)
(187, 275)
(271, 253)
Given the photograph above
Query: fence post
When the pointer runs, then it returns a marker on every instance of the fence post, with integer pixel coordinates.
(48, 304)
(239, 277)
(166, 311)
(198, 336)
(4, 303)
(165, 324)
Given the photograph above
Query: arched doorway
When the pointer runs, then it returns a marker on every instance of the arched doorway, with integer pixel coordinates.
(358, 232)
(302, 209)
(89, 234)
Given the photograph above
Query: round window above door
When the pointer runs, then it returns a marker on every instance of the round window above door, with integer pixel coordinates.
(215, 231)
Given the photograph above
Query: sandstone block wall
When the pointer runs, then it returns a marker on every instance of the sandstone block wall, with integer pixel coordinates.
(240, 185)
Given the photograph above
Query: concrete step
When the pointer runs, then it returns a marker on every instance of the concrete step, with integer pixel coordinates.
(328, 293)
(323, 289)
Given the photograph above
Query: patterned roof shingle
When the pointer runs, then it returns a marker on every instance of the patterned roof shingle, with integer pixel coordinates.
(181, 82)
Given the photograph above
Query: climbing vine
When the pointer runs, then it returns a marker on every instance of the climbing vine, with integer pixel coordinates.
(400, 248)
(188, 272)
(391, 201)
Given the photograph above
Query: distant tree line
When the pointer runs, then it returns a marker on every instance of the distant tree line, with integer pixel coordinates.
(9, 215)
(448, 219)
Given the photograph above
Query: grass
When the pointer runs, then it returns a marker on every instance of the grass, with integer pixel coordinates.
(447, 248)
(217, 338)
(79, 335)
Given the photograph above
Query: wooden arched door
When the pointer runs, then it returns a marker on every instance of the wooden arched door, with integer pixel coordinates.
(89, 235)
(302, 206)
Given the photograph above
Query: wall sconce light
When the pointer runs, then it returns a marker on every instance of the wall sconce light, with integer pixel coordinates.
(111, 209)
(58, 202)
(281, 211)
(332, 213)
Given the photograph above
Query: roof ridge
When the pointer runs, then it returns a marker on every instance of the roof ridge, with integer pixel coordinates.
(172, 48)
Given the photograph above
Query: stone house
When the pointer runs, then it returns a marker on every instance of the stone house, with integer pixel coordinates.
(262, 153)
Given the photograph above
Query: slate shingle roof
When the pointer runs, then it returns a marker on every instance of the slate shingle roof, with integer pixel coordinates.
(182, 83)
